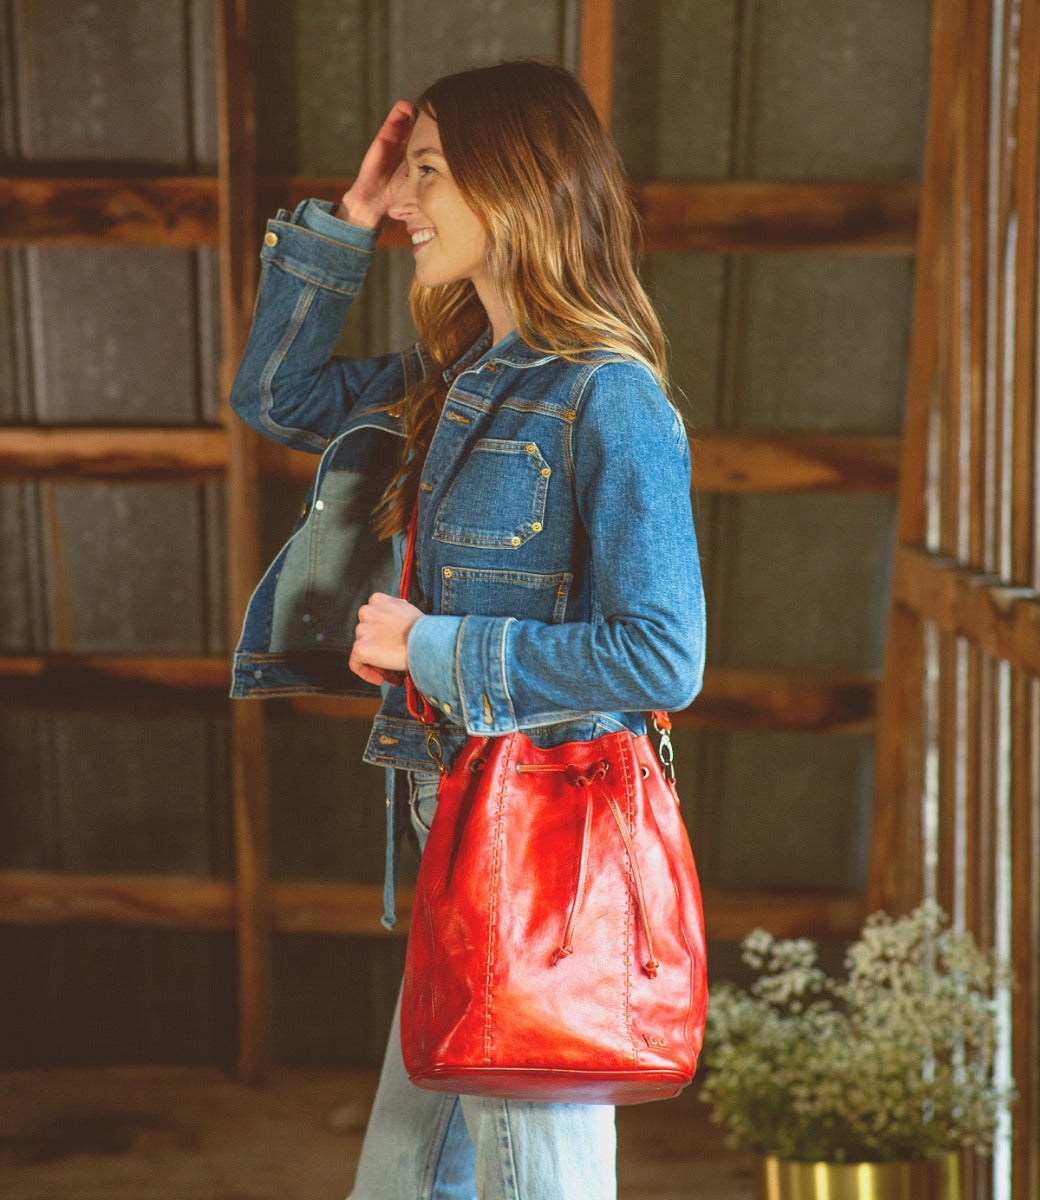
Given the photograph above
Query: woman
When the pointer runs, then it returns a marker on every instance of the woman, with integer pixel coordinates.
(557, 584)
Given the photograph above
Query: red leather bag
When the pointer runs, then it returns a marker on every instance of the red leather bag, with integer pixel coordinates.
(556, 946)
(556, 949)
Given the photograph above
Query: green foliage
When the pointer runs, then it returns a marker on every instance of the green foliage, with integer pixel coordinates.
(894, 1062)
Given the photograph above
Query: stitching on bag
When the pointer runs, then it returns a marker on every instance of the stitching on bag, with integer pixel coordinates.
(496, 863)
(629, 915)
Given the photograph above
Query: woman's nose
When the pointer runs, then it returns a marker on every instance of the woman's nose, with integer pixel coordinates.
(402, 195)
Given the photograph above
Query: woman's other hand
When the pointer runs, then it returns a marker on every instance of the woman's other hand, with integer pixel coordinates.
(366, 202)
(380, 650)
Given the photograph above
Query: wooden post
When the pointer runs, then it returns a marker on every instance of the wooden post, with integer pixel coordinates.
(1025, 559)
(893, 878)
(597, 54)
(238, 256)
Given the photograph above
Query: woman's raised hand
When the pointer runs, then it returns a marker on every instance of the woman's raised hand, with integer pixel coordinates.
(366, 201)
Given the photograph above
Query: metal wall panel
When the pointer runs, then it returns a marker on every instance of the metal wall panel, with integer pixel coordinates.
(113, 81)
(136, 793)
(426, 40)
(15, 383)
(806, 581)
(326, 811)
(27, 834)
(22, 599)
(838, 90)
(124, 348)
(333, 998)
(87, 996)
(690, 293)
(786, 342)
(709, 89)
(675, 65)
(313, 85)
(820, 343)
(798, 811)
(126, 568)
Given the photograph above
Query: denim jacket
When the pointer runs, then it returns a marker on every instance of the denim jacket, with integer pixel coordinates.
(556, 554)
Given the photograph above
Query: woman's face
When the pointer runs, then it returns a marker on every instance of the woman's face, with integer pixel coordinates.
(448, 241)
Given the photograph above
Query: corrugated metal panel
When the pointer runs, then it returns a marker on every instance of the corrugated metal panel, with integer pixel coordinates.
(26, 820)
(798, 813)
(820, 343)
(709, 89)
(331, 826)
(426, 40)
(97, 996)
(125, 349)
(838, 90)
(141, 793)
(805, 584)
(690, 293)
(333, 998)
(22, 598)
(313, 85)
(674, 86)
(127, 568)
(111, 81)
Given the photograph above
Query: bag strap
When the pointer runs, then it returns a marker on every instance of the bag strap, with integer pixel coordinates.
(423, 711)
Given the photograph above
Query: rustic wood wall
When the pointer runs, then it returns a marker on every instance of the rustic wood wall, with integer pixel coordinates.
(156, 842)
(958, 772)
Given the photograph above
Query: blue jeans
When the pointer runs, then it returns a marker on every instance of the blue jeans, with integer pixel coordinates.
(423, 1145)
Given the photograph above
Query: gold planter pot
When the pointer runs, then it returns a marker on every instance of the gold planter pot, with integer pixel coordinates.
(929, 1179)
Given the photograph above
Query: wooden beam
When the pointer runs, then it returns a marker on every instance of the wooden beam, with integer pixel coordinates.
(722, 462)
(716, 216)
(41, 898)
(794, 462)
(732, 462)
(154, 901)
(738, 698)
(112, 453)
(179, 211)
(725, 216)
(733, 697)
(113, 683)
(1001, 619)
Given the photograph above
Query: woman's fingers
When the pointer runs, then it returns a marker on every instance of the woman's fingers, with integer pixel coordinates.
(368, 199)
(372, 674)
(381, 636)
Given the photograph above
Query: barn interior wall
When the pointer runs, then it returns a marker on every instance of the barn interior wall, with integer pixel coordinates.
(703, 89)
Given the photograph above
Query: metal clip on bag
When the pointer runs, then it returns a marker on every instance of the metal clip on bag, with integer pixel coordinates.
(556, 949)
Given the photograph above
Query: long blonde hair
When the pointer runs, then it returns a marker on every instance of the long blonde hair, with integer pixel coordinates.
(532, 160)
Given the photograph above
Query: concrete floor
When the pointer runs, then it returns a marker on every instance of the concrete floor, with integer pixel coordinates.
(168, 1134)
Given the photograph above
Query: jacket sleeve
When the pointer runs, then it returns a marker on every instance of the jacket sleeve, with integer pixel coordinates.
(290, 386)
(643, 647)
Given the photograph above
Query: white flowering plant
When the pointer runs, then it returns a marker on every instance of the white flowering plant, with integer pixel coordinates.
(893, 1062)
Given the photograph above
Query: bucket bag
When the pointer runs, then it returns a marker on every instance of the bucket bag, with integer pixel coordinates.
(556, 946)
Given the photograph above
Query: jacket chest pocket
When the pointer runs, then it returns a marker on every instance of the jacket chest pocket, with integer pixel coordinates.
(498, 499)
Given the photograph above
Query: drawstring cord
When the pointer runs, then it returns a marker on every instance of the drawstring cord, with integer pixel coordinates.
(593, 779)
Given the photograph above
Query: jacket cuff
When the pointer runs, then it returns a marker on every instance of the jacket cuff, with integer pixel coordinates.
(431, 662)
(318, 216)
(487, 707)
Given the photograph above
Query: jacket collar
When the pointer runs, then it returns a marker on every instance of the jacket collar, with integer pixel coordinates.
(511, 351)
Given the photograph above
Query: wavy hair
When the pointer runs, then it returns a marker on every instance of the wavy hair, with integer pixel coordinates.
(532, 160)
